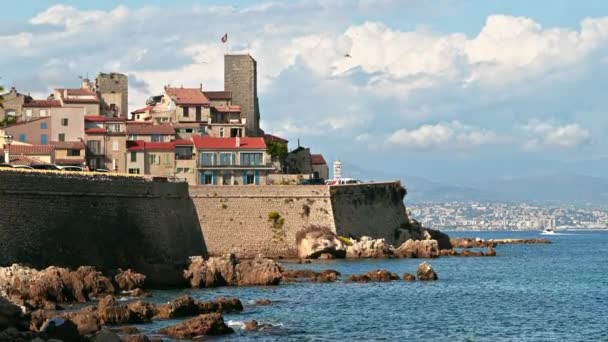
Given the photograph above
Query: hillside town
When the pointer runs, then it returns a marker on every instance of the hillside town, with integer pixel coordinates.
(201, 136)
(507, 216)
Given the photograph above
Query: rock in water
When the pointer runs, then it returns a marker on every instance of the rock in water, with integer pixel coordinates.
(377, 276)
(409, 277)
(368, 248)
(12, 316)
(251, 325)
(259, 271)
(229, 271)
(490, 251)
(425, 272)
(129, 280)
(424, 249)
(316, 241)
(61, 329)
(203, 325)
(443, 239)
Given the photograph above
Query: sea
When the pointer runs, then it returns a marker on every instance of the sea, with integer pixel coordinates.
(552, 292)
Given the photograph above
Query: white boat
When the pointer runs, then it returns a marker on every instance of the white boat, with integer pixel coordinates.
(548, 231)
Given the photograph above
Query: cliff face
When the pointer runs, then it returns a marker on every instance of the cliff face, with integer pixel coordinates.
(72, 220)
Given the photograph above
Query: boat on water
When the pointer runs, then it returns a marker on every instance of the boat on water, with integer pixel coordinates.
(547, 231)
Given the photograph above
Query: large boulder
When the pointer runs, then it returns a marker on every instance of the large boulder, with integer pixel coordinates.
(316, 241)
(12, 316)
(185, 306)
(129, 280)
(424, 249)
(425, 272)
(325, 276)
(229, 271)
(368, 248)
(202, 325)
(61, 329)
(443, 240)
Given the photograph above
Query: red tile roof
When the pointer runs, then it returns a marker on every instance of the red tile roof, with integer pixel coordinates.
(68, 145)
(31, 149)
(182, 142)
(187, 96)
(77, 95)
(317, 159)
(149, 129)
(42, 104)
(140, 145)
(101, 118)
(270, 137)
(95, 130)
(24, 160)
(213, 143)
(218, 95)
(75, 161)
(135, 145)
(228, 109)
(142, 110)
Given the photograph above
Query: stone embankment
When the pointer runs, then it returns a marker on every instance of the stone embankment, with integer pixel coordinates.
(480, 243)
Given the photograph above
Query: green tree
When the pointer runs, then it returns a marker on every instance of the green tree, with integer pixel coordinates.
(276, 149)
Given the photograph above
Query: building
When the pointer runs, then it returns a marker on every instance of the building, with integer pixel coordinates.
(151, 158)
(240, 79)
(84, 98)
(231, 161)
(69, 153)
(142, 114)
(113, 92)
(185, 160)
(39, 108)
(149, 132)
(12, 103)
(30, 154)
(106, 139)
(226, 122)
(319, 166)
(36, 131)
(298, 161)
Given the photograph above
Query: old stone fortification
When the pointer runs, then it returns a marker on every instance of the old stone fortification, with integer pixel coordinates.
(249, 220)
(107, 222)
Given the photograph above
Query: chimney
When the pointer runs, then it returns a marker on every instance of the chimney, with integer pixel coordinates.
(238, 141)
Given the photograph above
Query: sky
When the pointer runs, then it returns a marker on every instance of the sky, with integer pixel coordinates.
(453, 91)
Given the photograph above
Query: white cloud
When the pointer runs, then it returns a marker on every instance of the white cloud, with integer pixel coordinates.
(549, 134)
(443, 136)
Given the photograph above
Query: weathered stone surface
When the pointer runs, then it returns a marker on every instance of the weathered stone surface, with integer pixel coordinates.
(425, 249)
(251, 325)
(368, 248)
(185, 306)
(448, 252)
(490, 251)
(136, 338)
(425, 272)
(409, 277)
(60, 328)
(468, 243)
(443, 239)
(128, 280)
(469, 253)
(325, 276)
(229, 271)
(319, 242)
(375, 276)
(106, 335)
(202, 325)
(12, 316)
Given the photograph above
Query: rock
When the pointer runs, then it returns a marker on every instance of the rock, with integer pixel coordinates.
(448, 252)
(202, 325)
(182, 306)
(62, 329)
(220, 305)
(325, 276)
(490, 251)
(469, 253)
(228, 271)
(86, 322)
(95, 284)
(419, 249)
(12, 316)
(443, 240)
(126, 330)
(141, 312)
(409, 277)
(425, 272)
(129, 280)
(376, 276)
(137, 292)
(251, 325)
(316, 241)
(368, 248)
(136, 338)
(263, 302)
(105, 335)
(469, 243)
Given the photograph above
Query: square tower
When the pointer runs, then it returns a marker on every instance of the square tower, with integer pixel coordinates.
(113, 89)
(240, 78)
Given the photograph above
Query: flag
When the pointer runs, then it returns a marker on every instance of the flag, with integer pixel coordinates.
(225, 38)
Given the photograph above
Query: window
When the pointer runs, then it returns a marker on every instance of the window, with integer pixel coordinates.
(134, 171)
(167, 158)
(157, 138)
(183, 152)
(94, 146)
(43, 125)
(186, 112)
(132, 137)
(226, 158)
(153, 159)
(64, 122)
(22, 137)
(61, 137)
(28, 112)
(43, 139)
(11, 113)
(93, 164)
(221, 132)
(252, 159)
(208, 159)
(114, 128)
(188, 130)
(43, 112)
(249, 179)
(115, 146)
(208, 178)
(134, 157)
(74, 153)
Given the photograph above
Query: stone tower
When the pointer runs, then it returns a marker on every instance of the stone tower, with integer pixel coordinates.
(240, 78)
(113, 90)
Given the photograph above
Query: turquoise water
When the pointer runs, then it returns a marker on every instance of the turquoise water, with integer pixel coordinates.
(526, 293)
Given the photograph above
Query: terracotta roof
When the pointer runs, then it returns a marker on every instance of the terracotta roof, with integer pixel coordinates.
(77, 95)
(95, 130)
(228, 109)
(270, 137)
(148, 129)
(68, 145)
(24, 160)
(31, 149)
(42, 104)
(101, 118)
(317, 159)
(140, 145)
(187, 96)
(213, 143)
(218, 95)
(182, 142)
(142, 110)
(135, 145)
(187, 125)
(74, 161)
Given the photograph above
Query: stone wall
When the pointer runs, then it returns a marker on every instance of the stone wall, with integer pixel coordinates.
(114, 83)
(50, 218)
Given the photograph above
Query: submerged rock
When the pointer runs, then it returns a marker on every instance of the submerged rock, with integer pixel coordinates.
(229, 271)
(368, 248)
(202, 325)
(409, 277)
(319, 242)
(424, 249)
(263, 302)
(325, 276)
(375, 276)
(425, 272)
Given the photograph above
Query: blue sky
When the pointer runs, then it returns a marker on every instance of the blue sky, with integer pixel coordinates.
(455, 91)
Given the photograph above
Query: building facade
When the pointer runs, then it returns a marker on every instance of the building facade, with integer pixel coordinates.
(240, 79)
(113, 92)
(12, 103)
(319, 166)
